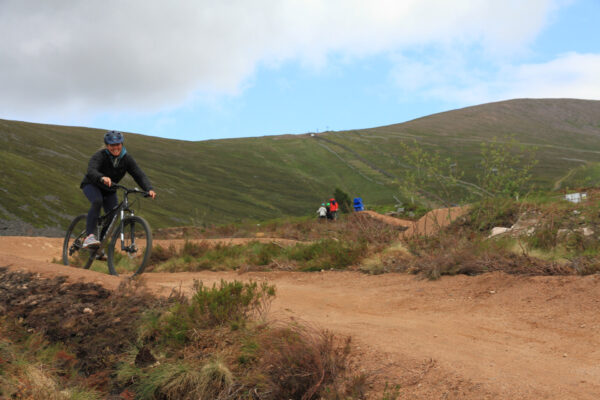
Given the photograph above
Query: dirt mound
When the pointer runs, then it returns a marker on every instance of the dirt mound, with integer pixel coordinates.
(94, 321)
(389, 220)
(428, 224)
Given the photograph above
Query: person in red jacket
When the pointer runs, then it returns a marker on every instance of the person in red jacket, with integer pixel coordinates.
(333, 208)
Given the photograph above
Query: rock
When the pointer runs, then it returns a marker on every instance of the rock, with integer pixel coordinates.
(498, 230)
(563, 233)
(526, 226)
(88, 310)
(587, 231)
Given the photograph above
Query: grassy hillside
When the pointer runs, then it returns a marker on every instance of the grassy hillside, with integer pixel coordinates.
(565, 131)
(197, 182)
(269, 177)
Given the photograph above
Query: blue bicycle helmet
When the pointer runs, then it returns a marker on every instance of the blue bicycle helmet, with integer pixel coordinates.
(113, 137)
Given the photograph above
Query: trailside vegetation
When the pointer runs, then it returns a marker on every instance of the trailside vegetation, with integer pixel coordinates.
(214, 342)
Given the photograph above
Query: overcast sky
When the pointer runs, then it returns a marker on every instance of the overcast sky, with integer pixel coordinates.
(201, 69)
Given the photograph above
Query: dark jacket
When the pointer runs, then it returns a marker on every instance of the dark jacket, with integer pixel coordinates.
(104, 164)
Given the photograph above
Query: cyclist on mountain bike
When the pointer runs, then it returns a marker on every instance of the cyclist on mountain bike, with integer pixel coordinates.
(106, 167)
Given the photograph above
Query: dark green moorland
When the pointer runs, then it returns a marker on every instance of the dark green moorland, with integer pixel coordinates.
(221, 181)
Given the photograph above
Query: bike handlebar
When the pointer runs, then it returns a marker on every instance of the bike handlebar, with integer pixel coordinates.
(127, 190)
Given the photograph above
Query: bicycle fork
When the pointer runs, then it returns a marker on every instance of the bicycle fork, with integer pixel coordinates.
(132, 247)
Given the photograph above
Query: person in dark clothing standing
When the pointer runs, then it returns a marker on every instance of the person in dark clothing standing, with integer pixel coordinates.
(106, 167)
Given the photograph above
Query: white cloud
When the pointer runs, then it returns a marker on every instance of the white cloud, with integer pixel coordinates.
(450, 79)
(83, 57)
(571, 75)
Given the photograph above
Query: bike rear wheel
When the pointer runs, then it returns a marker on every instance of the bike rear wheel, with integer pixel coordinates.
(129, 250)
(73, 252)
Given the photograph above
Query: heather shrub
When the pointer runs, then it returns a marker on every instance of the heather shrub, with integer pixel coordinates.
(208, 307)
(303, 363)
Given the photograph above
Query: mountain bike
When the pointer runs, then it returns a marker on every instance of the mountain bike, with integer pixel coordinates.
(126, 237)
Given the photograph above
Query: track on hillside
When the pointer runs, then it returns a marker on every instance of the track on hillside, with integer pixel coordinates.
(492, 336)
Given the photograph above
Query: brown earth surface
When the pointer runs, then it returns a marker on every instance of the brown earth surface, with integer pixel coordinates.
(427, 224)
(493, 336)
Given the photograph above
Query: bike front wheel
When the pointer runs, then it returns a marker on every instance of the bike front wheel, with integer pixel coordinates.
(130, 247)
(73, 252)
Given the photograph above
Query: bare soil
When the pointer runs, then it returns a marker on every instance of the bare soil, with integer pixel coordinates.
(426, 225)
(493, 336)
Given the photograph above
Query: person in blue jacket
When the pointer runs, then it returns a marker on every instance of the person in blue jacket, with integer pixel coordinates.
(108, 166)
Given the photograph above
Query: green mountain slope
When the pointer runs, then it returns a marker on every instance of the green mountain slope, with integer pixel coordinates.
(260, 178)
(565, 131)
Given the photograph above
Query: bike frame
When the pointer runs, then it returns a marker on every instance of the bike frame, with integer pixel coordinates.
(119, 213)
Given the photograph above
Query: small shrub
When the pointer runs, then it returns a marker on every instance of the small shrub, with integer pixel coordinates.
(579, 244)
(362, 228)
(264, 253)
(544, 237)
(231, 302)
(491, 212)
(300, 363)
(343, 200)
(194, 249)
(220, 253)
(160, 254)
(327, 254)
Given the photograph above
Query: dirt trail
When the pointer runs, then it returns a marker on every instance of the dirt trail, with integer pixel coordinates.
(493, 336)
(50, 249)
(427, 224)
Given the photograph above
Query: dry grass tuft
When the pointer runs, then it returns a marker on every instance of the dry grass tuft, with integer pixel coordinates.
(303, 363)
(211, 381)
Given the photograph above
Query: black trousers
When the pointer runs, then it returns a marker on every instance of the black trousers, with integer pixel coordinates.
(98, 198)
